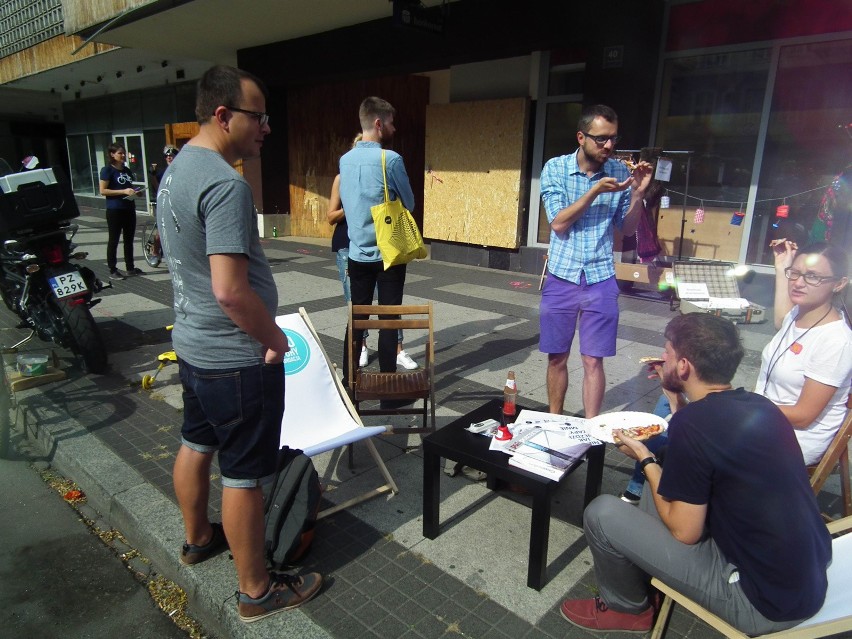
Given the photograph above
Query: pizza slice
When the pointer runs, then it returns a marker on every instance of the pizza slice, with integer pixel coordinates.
(651, 360)
(641, 433)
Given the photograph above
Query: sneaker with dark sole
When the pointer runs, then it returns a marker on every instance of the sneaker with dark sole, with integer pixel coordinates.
(135, 271)
(116, 275)
(191, 554)
(595, 615)
(286, 592)
(630, 498)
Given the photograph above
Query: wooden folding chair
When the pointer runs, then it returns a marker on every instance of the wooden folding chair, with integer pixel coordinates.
(836, 454)
(318, 414)
(835, 616)
(413, 385)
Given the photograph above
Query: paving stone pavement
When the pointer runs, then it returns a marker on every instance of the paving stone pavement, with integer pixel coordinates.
(383, 578)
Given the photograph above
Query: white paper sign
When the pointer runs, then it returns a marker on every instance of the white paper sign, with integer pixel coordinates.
(692, 291)
(664, 170)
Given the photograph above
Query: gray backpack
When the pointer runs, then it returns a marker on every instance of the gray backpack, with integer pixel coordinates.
(290, 509)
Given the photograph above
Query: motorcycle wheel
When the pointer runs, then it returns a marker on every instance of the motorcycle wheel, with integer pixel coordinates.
(85, 339)
(151, 245)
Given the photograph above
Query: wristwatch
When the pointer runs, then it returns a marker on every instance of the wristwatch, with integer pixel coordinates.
(648, 460)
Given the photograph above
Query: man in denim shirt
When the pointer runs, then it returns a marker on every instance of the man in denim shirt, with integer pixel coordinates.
(585, 194)
(362, 187)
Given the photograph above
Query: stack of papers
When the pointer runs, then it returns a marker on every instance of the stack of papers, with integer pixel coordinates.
(548, 453)
(549, 445)
(546, 444)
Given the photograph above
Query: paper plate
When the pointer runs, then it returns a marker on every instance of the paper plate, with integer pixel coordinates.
(601, 427)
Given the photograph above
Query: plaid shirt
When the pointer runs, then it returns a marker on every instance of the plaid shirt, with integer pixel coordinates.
(586, 247)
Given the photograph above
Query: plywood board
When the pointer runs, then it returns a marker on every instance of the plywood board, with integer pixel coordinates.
(474, 169)
(713, 239)
(322, 120)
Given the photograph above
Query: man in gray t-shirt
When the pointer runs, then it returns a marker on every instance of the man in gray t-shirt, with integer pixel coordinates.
(230, 350)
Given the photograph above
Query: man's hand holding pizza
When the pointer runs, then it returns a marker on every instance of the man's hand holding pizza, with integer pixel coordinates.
(629, 446)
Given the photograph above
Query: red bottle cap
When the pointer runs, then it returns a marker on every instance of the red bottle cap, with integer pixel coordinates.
(503, 434)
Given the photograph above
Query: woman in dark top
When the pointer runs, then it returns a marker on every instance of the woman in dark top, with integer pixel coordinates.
(116, 184)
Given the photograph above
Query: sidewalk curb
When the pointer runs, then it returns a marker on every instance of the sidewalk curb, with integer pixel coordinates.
(149, 520)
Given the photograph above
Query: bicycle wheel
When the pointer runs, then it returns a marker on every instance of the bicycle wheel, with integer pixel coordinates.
(151, 245)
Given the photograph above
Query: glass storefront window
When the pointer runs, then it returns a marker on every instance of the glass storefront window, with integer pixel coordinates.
(86, 156)
(566, 79)
(711, 105)
(78, 159)
(806, 145)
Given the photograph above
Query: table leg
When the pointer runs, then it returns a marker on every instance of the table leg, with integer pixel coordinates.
(539, 537)
(431, 494)
(594, 473)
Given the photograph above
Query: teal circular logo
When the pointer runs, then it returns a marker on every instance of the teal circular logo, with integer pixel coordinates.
(299, 354)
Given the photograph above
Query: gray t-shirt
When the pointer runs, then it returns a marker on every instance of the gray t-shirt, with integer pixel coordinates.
(204, 207)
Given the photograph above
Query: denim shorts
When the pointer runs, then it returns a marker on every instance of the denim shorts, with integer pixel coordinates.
(594, 306)
(238, 413)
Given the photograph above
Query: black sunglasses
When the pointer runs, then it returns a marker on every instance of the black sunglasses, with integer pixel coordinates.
(603, 139)
(262, 118)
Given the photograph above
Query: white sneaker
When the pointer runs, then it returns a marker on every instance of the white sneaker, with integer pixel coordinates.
(362, 360)
(403, 359)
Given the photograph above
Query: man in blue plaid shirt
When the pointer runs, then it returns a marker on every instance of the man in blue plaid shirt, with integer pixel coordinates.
(585, 195)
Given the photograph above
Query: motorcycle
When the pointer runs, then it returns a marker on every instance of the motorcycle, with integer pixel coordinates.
(52, 296)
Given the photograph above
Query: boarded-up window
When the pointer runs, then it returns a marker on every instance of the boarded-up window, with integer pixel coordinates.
(475, 159)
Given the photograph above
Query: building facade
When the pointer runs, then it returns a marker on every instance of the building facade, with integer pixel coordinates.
(748, 100)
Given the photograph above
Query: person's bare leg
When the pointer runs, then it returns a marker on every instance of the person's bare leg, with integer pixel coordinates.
(594, 383)
(191, 478)
(557, 381)
(242, 517)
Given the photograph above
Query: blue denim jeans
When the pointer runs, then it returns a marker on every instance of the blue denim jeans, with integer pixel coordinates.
(237, 412)
(342, 274)
(654, 444)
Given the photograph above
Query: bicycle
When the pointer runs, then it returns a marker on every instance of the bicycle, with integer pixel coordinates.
(151, 247)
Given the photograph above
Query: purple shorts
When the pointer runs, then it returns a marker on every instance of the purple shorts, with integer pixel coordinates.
(596, 306)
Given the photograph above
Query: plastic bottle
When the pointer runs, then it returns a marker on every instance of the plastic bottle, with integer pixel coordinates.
(274, 231)
(510, 396)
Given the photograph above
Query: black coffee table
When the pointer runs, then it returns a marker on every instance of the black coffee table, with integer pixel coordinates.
(457, 444)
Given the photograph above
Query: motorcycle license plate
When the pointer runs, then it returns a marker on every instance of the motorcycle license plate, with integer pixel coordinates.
(66, 284)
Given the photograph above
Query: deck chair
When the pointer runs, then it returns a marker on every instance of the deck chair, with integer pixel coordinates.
(836, 454)
(835, 615)
(318, 415)
(408, 385)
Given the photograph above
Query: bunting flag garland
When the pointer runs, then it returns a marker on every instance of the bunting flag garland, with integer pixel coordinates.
(737, 218)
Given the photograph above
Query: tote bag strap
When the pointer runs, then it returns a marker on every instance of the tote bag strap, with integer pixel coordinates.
(385, 177)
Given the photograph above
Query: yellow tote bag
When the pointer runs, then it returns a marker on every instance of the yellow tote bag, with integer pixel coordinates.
(397, 235)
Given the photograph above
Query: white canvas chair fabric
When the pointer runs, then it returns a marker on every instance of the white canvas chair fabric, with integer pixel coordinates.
(318, 415)
(835, 616)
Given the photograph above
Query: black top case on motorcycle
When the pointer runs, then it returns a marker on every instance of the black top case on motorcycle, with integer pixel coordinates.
(34, 200)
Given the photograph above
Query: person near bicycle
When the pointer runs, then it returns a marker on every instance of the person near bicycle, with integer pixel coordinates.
(116, 185)
(157, 170)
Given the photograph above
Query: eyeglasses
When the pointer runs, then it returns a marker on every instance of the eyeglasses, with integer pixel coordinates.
(262, 118)
(810, 278)
(600, 140)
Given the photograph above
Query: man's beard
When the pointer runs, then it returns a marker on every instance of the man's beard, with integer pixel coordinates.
(672, 382)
